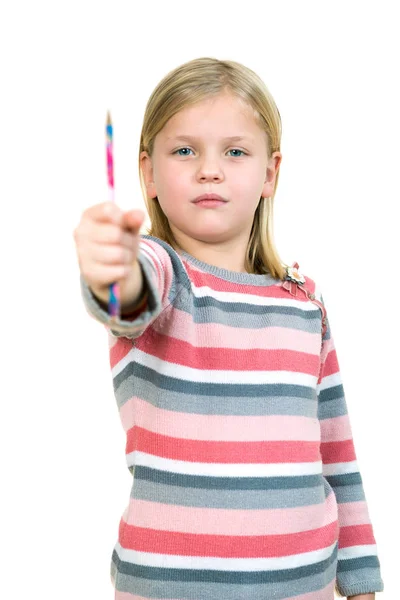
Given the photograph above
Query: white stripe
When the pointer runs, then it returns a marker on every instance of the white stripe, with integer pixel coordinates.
(329, 381)
(137, 458)
(341, 467)
(248, 298)
(172, 561)
(317, 292)
(183, 373)
(357, 551)
(121, 364)
(146, 249)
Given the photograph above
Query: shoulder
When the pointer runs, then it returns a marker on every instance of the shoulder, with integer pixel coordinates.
(155, 247)
(164, 257)
(295, 279)
(295, 273)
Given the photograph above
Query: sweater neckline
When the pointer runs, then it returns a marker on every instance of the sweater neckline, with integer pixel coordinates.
(227, 275)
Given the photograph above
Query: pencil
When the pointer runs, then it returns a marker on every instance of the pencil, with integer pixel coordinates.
(114, 301)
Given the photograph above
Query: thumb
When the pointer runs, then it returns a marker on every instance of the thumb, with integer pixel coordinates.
(134, 218)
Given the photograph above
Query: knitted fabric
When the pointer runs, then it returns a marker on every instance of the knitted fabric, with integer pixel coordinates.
(245, 477)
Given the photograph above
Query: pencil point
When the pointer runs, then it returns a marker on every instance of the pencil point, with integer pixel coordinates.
(108, 118)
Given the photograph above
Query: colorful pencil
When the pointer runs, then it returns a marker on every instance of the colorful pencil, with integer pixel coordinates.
(114, 302)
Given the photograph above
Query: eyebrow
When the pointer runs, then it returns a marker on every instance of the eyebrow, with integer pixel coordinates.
(189, 138)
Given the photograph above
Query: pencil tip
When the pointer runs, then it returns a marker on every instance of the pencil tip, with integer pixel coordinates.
(108, 118)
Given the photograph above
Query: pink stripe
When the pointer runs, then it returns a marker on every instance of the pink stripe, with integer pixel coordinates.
(217, 427)
(197, 276)
(327, 593)
(336, 429)
(164, 273)
(338, 452)
(327, 347)
(264, 338)
(111, 339)
(155, 515)
(331, 366)
(353, 513)
(356, 535)
(119, 350)
(143, 539)
(235, 453)
(251, 358)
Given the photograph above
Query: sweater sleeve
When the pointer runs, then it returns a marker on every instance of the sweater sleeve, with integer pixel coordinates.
(358, 568)
(159, 282)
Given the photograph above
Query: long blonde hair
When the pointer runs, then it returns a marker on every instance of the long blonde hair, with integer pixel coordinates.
(186, 85)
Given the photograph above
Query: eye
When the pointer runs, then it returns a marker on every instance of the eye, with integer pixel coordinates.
(179, 149)
(186, 148)
(237, 150)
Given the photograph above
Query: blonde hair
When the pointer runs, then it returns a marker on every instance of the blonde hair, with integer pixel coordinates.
(186, 85)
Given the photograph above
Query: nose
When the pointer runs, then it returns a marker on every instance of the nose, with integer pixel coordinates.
(209, 170)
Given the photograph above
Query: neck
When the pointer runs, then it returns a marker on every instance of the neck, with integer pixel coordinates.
(227, 254)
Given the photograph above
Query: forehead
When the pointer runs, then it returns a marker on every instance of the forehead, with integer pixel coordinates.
(224, 116)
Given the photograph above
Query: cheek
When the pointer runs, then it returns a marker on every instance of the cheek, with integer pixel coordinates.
(172, 175)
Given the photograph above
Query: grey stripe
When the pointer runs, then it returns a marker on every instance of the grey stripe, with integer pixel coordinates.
(230, 585)
(205, 482)
(245, 315)
(362, 562)
(350, 493)
(344, 479)
(196, 388)
(178, 271)
(267, 399)
(245, 499)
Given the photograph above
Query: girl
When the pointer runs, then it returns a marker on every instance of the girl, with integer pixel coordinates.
(246, 484)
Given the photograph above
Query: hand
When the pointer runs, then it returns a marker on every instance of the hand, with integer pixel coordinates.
(107, 243)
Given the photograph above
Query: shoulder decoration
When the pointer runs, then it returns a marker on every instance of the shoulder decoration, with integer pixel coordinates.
(295, 281)
(294, 274)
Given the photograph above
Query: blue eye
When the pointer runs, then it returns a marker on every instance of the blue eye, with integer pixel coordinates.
(185, 148)
(179, 149)
(237, 150)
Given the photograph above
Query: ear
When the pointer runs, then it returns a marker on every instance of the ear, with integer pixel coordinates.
(271, 173)
(147, 168)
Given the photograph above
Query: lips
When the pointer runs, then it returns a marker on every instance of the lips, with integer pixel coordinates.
(209, 197)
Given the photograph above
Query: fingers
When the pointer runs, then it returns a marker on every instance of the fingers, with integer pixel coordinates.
(103, 213)
(101, 275)
(105, 223)
(110, 234)
(107, 242)
(113, 254)
(133, 219)
(109, 212)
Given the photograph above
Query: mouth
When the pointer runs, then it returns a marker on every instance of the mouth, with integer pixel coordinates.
(209, 200)
(209, 203)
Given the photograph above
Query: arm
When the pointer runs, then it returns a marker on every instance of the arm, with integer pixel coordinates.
(358, 570)
(134, 294)
(158, 285)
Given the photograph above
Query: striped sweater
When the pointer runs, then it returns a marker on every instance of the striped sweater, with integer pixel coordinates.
(245, 478)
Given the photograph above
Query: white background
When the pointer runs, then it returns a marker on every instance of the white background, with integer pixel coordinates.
(333, 71)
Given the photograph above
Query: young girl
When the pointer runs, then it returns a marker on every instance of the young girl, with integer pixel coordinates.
(246, 484)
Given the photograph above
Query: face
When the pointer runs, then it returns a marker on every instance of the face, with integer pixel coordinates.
(209, 162)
